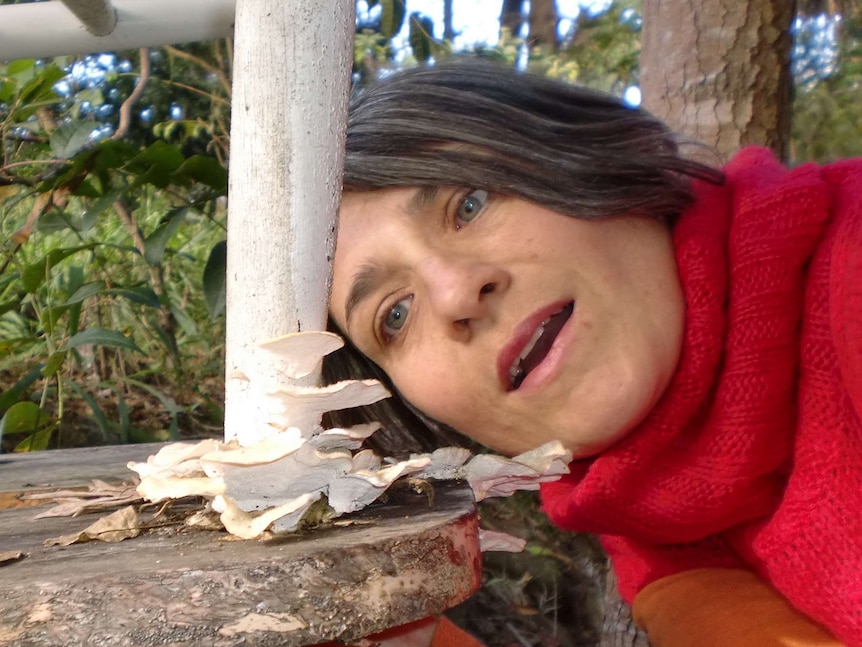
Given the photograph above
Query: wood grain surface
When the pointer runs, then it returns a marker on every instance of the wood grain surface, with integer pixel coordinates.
(391, 564)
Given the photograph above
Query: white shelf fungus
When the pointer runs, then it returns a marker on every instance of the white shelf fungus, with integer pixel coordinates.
(274, 483)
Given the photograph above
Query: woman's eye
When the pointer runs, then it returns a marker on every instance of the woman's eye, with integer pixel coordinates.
(395, 318)
(471, 206)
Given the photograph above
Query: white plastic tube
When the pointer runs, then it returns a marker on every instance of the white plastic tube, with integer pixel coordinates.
(43, 29)
(98, 16)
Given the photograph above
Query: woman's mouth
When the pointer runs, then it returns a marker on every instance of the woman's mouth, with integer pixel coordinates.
(537, 346)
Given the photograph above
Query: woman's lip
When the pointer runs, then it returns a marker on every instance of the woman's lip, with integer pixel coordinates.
(521, 336)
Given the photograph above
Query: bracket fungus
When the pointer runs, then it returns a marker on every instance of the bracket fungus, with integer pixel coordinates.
(274, 483)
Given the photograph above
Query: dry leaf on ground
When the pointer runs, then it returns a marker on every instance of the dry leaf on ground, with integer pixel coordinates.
(9, 556)
(98, 496)
(122, 524)
(500, 541)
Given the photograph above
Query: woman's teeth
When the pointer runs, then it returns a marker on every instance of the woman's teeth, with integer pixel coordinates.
(537, 348)
(516, 372)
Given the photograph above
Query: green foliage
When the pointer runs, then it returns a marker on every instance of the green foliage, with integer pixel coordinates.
(20, 417)
(100, 268)
(601, 51)
(826, 123)
(421, 36)
(392, 17)
(214, 275)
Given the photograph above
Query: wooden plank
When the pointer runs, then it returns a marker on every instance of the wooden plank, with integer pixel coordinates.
(70, 467)
(397, 562)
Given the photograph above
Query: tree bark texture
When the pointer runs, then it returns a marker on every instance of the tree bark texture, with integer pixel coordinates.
(511, 17)
(618, 625)
(718, 71)
(448, 30)
(543, 24)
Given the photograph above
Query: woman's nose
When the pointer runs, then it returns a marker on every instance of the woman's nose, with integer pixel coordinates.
(461, 292)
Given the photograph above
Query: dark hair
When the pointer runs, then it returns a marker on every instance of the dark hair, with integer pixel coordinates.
(476, 124)
(473, 123)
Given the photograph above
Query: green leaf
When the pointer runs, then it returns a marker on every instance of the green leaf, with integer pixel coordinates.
(87, 189)
(185, 322)
(392, 17)
(17, 345)
(140, 295)
(92, 213)
(154, 245)
(39, 92)
(36, 442)
(53, 221)
(54, 363)
(101, 337)
(51, 315)
(123, 411)
(421, 28)
(7, 91)
(156, 164)
(111, 154)
(215, 274)
(85, 292)
(71, 138)
(14, 393)
(206, 170)
(163, 155)
(35, 274)
(20, 418)
(14, 304)
(20, 65)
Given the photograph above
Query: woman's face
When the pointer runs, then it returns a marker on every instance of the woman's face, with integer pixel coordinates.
(507, 321)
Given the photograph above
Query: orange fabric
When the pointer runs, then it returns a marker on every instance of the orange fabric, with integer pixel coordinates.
(719, 607)
(450, 635)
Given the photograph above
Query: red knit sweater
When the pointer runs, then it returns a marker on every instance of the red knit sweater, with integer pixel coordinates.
(753, 456)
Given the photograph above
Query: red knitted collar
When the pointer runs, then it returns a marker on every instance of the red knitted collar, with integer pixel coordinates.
(714, 451)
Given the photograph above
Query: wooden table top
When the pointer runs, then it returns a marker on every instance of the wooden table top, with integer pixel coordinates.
(394, 563)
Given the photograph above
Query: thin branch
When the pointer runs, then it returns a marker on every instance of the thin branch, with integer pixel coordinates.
(167, 321)
(128, 104)
(3, 169)
(197, 60)
(214, 98)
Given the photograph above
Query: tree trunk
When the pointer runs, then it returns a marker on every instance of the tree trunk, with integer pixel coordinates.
(618, 626)
(511, 17)
(543, 24)
(718, 71)
(448, 31)
(287, 152)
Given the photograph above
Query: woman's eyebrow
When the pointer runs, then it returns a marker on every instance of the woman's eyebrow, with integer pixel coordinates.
(371, 275)
(365, 282)
(421, 199)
